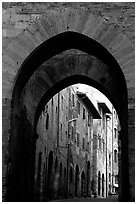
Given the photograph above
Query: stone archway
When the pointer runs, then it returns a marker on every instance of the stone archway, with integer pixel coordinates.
(104, 60)
(107, 81)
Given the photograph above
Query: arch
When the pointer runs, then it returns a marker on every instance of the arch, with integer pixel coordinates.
(91, 47)
(88, 178)
(99, 184)
(77, 181)
(103, 182)
(68, 40)
(65, 83)
(71, 181)
(83, 183)
(50, 176)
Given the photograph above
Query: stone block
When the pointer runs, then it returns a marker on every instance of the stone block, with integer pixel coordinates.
(21, 25)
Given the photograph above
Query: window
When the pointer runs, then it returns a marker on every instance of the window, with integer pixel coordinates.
(116, 179)
(78, 107)
(73, 100)
(109, 160)
(99, 142)
(61, 132)
(84, 113)
(73, 133)
(78, 136)
(89, 119)
(83, 144)
(62, 102)
(115, 132)
(47, 121)
(115, 155)
(103, 185)
(99, 184)
(52, 101)
(103, 146)
(109, 178)
(88, 147)
(104, 121)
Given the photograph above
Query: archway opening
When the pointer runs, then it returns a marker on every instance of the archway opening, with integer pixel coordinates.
(83, 126)
(76, 180)
(80, 67)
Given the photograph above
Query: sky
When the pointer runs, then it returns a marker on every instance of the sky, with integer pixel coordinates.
(93, 93)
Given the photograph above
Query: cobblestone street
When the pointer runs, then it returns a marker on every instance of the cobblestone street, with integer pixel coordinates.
(111, 199)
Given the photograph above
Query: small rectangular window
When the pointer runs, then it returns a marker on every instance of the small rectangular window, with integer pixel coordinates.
(83, 144)
(47, 121)
(73, 133)
(73, 100)
(115, 155)
(78, 107)
(89, 119)
(116, 179)
(99, 142)
(109, 160)
(103, 146)
(62, 102)
(115, 132)
(78, 139)
(61, 133)
(84, 116)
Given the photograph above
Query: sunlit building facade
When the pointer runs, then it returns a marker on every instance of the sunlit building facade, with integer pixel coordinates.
(74, 142)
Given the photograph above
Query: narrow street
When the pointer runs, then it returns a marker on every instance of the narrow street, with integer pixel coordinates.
(111, 199)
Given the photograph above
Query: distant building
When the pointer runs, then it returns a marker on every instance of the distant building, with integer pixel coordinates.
(71, 148)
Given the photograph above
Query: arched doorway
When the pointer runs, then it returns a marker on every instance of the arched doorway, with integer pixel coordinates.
(103, 185)
(96, 60)
(50, 176)
(71, 182)
(38, 183)
(65, 182)
(83, 184)
(77, 181)
(99, 183)
(88, 179)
